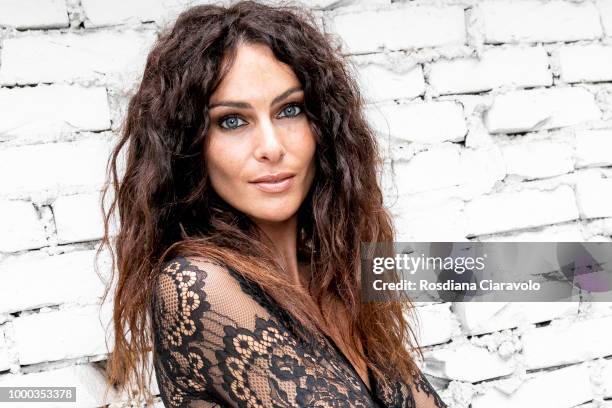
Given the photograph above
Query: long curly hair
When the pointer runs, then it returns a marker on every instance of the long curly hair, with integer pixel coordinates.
(166, 206)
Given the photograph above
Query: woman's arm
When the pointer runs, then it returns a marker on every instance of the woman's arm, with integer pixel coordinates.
(425, 396)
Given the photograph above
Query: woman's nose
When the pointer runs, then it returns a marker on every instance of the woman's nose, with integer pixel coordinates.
(268, 145)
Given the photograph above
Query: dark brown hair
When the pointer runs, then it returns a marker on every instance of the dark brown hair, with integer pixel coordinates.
(166, 206)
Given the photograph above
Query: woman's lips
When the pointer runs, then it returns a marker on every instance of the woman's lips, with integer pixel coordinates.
(275, 187)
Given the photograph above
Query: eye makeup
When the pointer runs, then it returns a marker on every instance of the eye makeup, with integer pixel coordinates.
(238, 121)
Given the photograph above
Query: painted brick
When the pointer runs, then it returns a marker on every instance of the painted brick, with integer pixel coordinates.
(511, 21)
(487, 317)
(562, 388)
(570, 338)
(423, 172)
(401, 28)
(593, 148)
(538, 159)
(20, 226)
(31, 14)
(78, 217)
(482, 168)
(499, 66)
(56, 278)
(605, 8)
(420, 122)
(423, 201)
(164, 12)
(475, 171)
(580, 63)
(525, 209)
(554, 233)
(594, 196)
(7, 356)
(325, 4)
(433, 324)
(467, 362)
(606, 379)
(379, 83)
(597, 404)
(536, 109)
(171, 9)
(45, 112)
(101, 13)
(437, 214)
(63, 334)
(108, 57)
(66, 166)
(444, 221)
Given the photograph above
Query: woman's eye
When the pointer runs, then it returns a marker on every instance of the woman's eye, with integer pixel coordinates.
(291, 110)
(231, 122)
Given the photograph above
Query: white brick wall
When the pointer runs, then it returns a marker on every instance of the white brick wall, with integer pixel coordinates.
(513, 21)
(498, 66)
(538, 353)
(545, 108)
(498, 119)
(61, 57)
(590, 62)
(24, 14)
(400, 27)
(564, 387)
(45, 112)
(51, 336)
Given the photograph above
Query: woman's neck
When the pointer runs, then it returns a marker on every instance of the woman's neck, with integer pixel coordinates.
(283, 236)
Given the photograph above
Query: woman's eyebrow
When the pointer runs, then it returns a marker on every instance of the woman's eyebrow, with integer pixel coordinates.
(246, 105)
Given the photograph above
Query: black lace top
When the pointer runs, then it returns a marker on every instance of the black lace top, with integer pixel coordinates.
(220, 341)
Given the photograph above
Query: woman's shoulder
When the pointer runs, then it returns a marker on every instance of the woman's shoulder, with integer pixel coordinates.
(198, 264)
(221, 288)
(202, 269)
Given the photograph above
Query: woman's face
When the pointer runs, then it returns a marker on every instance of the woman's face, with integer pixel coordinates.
(259, 129)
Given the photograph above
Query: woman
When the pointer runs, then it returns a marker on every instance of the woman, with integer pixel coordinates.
(250, 182)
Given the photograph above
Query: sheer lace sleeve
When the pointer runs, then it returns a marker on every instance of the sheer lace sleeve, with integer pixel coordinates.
(425, 396)
(418, 394)
(216, 344)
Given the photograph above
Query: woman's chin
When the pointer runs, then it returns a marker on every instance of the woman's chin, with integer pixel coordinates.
(273, 216)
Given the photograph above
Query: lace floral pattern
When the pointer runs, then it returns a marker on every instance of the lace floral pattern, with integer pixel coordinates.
(220, 341)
